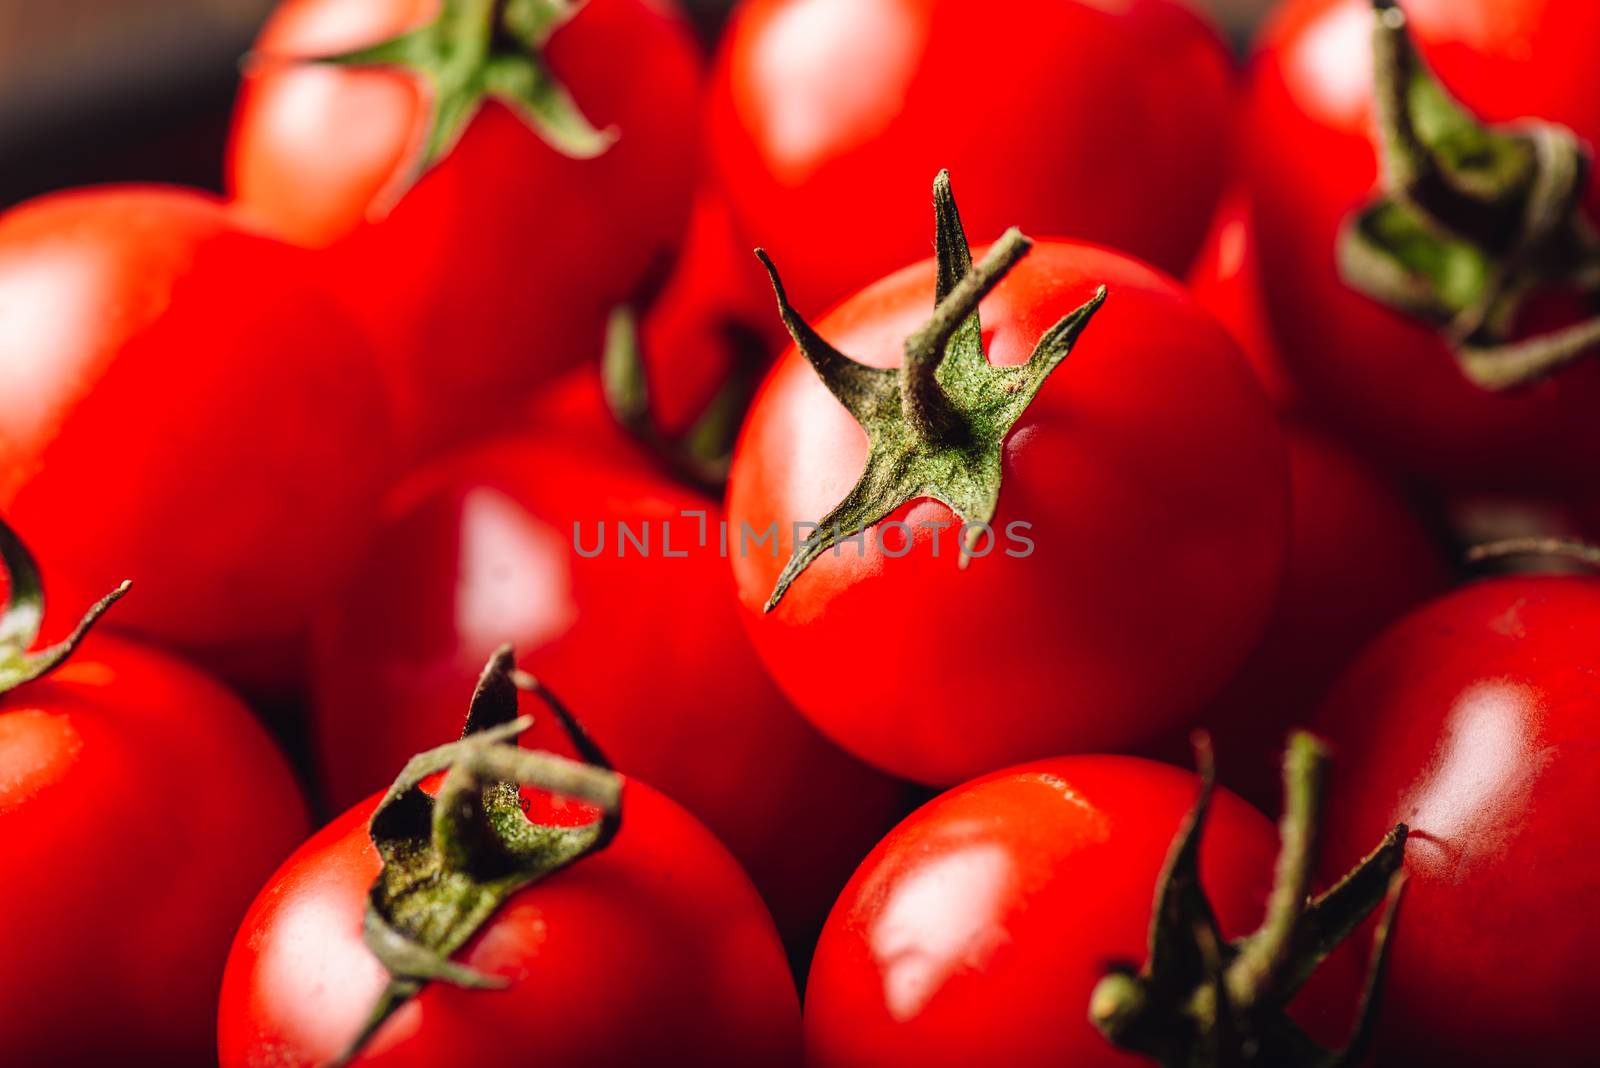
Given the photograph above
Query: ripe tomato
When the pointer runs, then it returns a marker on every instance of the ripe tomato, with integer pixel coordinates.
(654, 950)
(496, 270)
(712, 322)
(1473, 721)
(828, 116)
(1226, 280)
(1148, 477)
(976, 931)
(1358, 560)
(647, 648)
(140, 808)
(178, 406)
(1312, 161)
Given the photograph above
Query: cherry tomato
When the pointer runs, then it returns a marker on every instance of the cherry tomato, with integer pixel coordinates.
(1149, 482)
(655, 950)
(1358, 560)
(1312, 161)
(501, 544)
(140, 808)
(975, 932)
(496, 269)
(1226, 280)
(1473, 721)
(828, 116)
(180, 407)
(712, 321)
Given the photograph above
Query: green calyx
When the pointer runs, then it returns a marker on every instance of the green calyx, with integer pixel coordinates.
(701, 455)
(479, 50)
(450, 861)
(23, 613)
(1471, 221)
(1202, 1002)
(937, 425)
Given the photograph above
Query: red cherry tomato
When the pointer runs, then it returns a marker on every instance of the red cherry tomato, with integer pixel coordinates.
(1226, 280)
(496, 270)
(1358, 560)
(179, 407)
(479, 550)
(712, 321)
(1312, 161)
(1150, 469)
(975, 932)
(140, 808)
(1473, 721)
(828, 116)
(655, 950)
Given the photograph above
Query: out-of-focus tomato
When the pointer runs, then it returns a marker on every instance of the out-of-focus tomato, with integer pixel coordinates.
(179, 406)
(563, 195)
(1069, 118)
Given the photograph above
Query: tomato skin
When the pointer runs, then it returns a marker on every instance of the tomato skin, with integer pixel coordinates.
(1310, 160)
(648, 651)
(655, 950)
(128, 769)
(1226, 280)
(144, 339)
(828, 118)
(468, 317)
(714, 319)
(974, 933)
(1151, 470)
(1359, 559)
(1473, 720)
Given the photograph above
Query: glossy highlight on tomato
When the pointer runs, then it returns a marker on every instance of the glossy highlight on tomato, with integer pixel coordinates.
(827, 117)
(495, 271)
(1473, 720)
(655, 950)
(140, 808)
(975, 932)
(1151, 474)
(180, 406)
(482, 548)
(1359, 558)
(1311, 159)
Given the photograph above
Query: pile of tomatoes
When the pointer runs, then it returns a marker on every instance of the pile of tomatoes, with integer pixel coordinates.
(859, 642)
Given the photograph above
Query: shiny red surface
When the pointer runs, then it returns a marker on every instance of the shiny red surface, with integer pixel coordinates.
(1473, 720)
(647, 650)
(1153, 475)
(180, 408)
(497, 269)
(140, 809)
(1099, 121)
(1310, 160)
(654, 951)
(1358, 559)
(973, 935)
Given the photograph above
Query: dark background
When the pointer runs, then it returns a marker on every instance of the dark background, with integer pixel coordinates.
(139, 90)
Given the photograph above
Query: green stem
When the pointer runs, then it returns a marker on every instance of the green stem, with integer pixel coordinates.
(928, 410)
(451, 860)
(1261, 964)
(1472, 221)
(23, 614)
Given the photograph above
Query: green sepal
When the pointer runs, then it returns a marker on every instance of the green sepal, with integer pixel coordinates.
(936, 427)
(1470, 221)
(1200, 1002)
(700, 455)
(479, 50)
(450, 861)
(23, 614)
